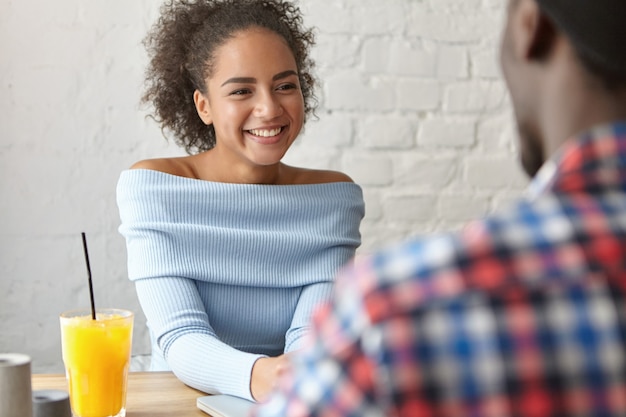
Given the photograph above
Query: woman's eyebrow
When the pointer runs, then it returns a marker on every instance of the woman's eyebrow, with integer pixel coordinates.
(239, 80)
(251, 80)
(284, 74)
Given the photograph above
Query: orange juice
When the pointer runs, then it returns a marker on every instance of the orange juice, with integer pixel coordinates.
(96, 354)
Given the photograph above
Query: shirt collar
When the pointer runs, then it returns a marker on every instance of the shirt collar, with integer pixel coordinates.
(543, 182)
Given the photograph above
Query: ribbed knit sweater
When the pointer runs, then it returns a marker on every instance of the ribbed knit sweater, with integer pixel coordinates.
(227, 273)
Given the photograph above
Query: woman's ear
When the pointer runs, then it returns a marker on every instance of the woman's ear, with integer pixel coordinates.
(203, 107)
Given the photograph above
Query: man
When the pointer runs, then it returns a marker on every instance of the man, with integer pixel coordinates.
(522, 313)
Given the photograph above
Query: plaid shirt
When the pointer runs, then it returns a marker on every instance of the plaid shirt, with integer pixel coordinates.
(520, 314)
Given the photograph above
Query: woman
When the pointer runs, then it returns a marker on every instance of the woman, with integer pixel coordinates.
(231, 249)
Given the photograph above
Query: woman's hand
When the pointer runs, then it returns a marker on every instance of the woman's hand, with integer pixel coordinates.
(265, 374)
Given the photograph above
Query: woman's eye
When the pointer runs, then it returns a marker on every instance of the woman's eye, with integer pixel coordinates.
(284, 87)
(240, 92)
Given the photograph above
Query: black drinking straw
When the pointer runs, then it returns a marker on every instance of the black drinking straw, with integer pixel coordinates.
(93, 304)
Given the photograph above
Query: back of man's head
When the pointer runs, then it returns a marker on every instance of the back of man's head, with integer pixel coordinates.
(596, 29)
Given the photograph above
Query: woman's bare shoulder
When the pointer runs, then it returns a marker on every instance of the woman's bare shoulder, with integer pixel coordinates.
(319, 176)
(179, 166)
(332, 176)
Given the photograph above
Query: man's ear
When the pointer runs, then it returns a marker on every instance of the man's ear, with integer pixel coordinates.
(203, 107)
(535, 32)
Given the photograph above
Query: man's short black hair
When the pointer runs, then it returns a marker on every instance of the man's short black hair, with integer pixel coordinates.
(596, 29)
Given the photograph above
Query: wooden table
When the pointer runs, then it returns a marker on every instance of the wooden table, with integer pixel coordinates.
(150, 394)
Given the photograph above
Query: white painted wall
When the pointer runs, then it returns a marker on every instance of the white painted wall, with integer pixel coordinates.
(412, 106)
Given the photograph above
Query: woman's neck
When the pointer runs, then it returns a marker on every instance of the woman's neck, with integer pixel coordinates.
(209, 166)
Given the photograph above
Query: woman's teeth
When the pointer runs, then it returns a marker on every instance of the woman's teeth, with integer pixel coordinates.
(266, 133)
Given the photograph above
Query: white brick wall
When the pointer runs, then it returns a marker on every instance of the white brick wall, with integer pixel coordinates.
(412, 107)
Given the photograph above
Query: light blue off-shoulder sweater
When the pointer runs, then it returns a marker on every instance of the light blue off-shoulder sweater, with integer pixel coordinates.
(228, 273)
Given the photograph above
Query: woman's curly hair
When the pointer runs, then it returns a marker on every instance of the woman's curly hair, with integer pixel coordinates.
(182, 44)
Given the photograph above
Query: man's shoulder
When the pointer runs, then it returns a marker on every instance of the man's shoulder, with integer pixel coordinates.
(480, 238)
(487, 254)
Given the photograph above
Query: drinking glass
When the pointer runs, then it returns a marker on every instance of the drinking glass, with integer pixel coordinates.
(96, 354)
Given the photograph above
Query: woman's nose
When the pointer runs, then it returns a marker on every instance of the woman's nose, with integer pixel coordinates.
(268, 106)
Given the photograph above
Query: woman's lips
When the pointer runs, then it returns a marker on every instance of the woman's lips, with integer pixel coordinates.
(266, 136)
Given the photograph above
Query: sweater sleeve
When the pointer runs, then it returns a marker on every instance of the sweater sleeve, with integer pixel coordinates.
(310, 298)
(183, 332)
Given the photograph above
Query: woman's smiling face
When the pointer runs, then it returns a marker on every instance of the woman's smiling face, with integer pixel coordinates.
(253, 98)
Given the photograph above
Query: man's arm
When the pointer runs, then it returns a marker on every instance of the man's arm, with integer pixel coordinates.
(326, 379)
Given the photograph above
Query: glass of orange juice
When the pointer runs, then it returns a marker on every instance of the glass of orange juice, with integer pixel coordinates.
(96, 354)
